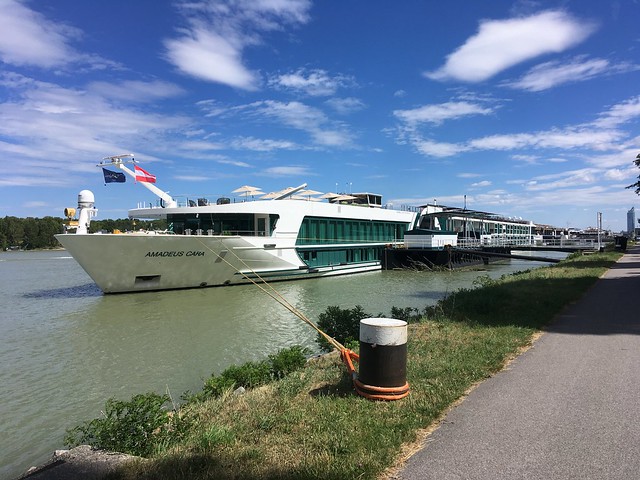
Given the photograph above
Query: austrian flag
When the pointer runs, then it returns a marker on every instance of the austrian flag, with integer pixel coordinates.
(144, 176)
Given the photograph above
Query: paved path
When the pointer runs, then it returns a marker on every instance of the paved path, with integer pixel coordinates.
(569, 408)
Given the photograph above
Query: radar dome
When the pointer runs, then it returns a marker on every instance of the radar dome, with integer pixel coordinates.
(86, 199)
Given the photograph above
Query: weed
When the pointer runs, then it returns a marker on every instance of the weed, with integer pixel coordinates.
(135, 427)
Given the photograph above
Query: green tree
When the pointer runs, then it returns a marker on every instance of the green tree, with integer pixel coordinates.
(637, 184)
(14, 231)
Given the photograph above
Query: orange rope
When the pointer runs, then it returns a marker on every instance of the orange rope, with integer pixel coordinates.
(370, 391)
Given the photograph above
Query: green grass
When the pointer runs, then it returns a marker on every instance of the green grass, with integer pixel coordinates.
(311, 424)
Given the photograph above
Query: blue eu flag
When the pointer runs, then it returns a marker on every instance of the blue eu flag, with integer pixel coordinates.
(113, 177)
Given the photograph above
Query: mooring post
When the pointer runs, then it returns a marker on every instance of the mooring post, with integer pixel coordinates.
(383, 359)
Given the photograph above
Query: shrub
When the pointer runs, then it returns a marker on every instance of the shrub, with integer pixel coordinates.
(408, 314)
(341, 324)
(254, 374)
(135, 427)
(287, 361)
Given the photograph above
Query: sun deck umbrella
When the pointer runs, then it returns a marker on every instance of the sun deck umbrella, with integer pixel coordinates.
(269, 196)
(245, 188)
(309, 193)
(251, 193)
(330, 195)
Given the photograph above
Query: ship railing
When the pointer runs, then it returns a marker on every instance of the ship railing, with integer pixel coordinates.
(572, 242)
(526, 241)
(226, 233)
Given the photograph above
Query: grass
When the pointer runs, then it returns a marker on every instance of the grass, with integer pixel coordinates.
(311, 424)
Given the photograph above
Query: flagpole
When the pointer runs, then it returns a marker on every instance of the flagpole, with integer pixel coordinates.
(117, 161)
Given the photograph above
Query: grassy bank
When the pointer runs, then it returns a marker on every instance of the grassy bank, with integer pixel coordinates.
(311, 424)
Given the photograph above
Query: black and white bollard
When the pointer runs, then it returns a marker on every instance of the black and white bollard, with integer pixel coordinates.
(383, 359)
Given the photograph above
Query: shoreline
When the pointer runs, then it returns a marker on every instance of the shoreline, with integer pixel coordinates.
(417, 330)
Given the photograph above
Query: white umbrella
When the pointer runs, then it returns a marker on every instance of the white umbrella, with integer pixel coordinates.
(269, 195)
(251, 193)
(330, 195)
(245, 188)
(309, 192)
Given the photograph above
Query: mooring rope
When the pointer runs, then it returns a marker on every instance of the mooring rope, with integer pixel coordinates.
(274, 294)
(348, 356)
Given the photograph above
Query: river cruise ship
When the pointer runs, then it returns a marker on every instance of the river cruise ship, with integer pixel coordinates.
(284, 235)
(467, 228)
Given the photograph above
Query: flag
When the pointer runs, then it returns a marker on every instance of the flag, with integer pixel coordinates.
(113, 177)
(144, 176)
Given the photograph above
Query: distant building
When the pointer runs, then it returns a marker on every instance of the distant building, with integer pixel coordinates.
(631, 221)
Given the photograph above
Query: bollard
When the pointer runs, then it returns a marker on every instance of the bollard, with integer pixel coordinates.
(383, 359)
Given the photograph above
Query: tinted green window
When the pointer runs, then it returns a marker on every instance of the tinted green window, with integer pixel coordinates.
(331, 231)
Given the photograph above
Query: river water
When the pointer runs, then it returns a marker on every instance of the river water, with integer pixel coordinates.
(65, 347)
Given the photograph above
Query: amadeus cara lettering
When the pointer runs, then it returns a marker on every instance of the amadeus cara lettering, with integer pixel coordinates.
(175, 254)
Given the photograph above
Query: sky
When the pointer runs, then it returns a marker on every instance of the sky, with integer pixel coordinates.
(524, 108)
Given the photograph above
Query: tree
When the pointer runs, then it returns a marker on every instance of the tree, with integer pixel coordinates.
(637, 184)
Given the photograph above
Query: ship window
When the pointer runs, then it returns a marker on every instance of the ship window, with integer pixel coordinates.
(219, 224)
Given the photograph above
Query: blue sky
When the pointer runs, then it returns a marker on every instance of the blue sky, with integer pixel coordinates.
(528, 108)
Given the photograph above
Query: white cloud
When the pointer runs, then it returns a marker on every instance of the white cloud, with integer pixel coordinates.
(201, 146)
(483, 183)
(437, 149)
(209, 56)
(502, 142)
(551, 74)
(570, 179)
(601, 135)
(529, 159)
(618, 174)
(345, 106)
(211, 108)
(211, 47)
(567, 139)
(620, 113)
(316, 83)
(288, 171)
(47, 121)
(28, 38)
(192, 178)
(323, 131)
(262, 145)
(437, 114)
(136, 91)
(235, 163)
(501, 44)
(618, 159)
(468, 175)
(305, 118)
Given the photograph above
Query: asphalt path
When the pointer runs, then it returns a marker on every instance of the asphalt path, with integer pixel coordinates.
(568, 408)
